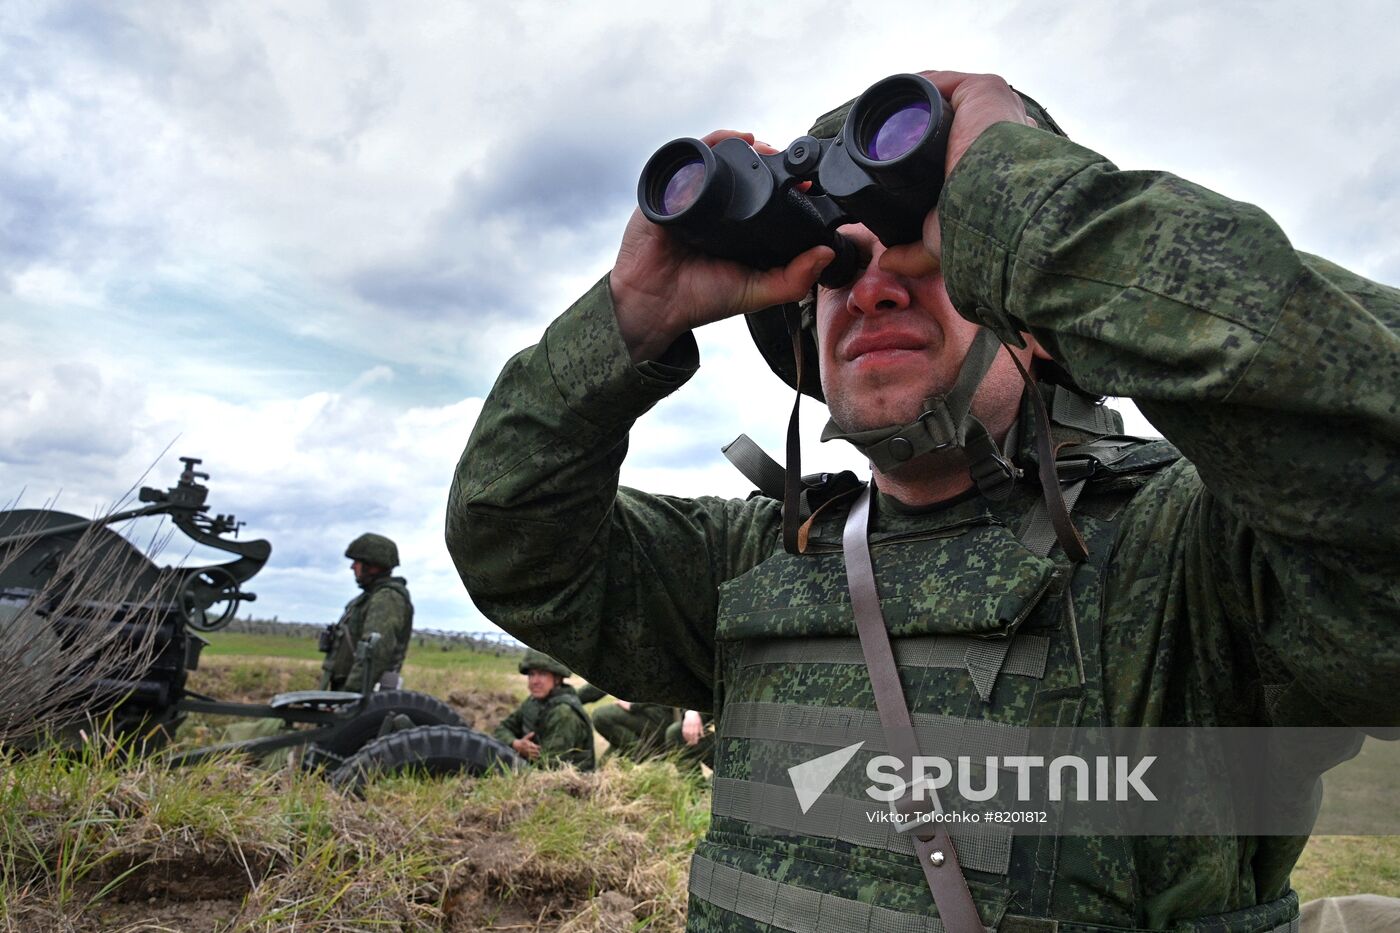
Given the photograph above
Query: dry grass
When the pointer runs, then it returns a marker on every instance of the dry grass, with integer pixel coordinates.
(483, 695)
(89, 844)
(1333, 866)
(83, 630)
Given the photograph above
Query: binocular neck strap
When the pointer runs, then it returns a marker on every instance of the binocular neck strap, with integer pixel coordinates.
(947, 422)
(1071, 542)
(933, 846)
(793, 540)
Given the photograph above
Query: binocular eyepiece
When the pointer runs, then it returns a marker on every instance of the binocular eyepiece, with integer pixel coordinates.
(884, 170)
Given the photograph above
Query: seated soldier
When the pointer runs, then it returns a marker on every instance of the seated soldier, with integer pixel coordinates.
(551, 727)
(636, 731)
(691, 742)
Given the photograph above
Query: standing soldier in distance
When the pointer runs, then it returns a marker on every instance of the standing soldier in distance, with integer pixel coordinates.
(383, 608)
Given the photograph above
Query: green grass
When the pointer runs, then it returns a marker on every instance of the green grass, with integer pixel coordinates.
(241, 644)
(1333, 866)
(247, 644)
(92, 840)
(428, 663)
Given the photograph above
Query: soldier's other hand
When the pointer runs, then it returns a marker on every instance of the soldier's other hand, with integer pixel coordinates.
(626, 707)
(662, 288)
(526, 747)
(692, 727)
(979, 101)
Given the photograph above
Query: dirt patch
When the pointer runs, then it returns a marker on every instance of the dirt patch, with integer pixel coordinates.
(483, 710)
(191, 917)
(196, 893)
(195, 878)
(496, 885)
(609, 912)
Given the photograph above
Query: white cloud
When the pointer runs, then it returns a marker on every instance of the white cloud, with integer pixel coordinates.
(298, 237)
(308, 473)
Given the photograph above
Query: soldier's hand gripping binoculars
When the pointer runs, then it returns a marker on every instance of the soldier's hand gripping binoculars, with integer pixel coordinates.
(884, 170)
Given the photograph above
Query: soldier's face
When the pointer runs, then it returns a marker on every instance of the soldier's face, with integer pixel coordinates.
(364, 571)
(887, 342)
(541, 683)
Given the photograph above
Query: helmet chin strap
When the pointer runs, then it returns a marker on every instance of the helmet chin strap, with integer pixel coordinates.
(947, 422)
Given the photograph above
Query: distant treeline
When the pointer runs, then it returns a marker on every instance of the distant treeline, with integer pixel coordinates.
(490, 642)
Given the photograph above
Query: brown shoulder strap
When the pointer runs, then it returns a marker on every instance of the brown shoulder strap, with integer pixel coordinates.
(934, 847)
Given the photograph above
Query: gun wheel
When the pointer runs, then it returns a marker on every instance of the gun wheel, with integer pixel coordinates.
(420, 708)
(431, 750)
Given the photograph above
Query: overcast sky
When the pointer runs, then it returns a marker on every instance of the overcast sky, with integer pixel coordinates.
(299, 240)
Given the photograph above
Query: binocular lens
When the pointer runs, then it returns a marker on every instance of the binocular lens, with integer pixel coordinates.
(900, 132)
(683, 187)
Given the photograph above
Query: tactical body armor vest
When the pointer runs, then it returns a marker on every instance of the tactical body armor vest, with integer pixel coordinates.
(990, 639)
(351, 627)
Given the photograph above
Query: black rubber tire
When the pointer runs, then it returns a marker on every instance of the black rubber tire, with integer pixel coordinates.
(432, 750)
(421, 708)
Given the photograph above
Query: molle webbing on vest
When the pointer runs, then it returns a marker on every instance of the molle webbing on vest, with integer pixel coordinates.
(789, 907)
(775, 806)
(1073, 410)
(801, 910)
(1025, 657)
(839, 727)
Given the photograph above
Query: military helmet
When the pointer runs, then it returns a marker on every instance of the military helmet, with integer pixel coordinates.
(768, 327)
(539, 661)
(374, 549)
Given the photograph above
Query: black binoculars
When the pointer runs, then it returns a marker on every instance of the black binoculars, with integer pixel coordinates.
(884, 170)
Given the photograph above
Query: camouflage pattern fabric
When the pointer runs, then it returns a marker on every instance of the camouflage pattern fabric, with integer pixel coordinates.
(374, 549)
(1254, 582)
(637, 733)
(561, 726)
(539, 661)
(384, 607)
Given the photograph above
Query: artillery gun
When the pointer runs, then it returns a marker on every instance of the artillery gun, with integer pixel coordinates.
(127, 634)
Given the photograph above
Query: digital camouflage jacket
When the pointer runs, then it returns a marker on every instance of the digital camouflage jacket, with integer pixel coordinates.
(1256, 581)
(383, 606)
(561, 726)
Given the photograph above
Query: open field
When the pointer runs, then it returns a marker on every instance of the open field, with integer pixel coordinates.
(483, 688)
(88, 842)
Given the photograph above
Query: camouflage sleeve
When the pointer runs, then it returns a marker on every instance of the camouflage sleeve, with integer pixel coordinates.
(510, 729)
(590, 694)
(383, 616)
(1276, 373)
(655, 713)
(567, 738)
(618, 584)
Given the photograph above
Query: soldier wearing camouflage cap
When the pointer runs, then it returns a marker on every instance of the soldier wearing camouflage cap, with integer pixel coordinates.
(551, 727)
(1240, 573)
(383, 607)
